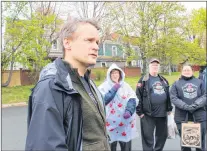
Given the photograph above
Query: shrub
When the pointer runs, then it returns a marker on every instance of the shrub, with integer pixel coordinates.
(99, 75)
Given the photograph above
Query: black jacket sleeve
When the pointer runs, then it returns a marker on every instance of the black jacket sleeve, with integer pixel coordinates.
(174, 98)
(201, 101)
(45, 130)
(139, 93)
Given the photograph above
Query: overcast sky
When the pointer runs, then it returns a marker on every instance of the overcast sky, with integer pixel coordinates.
(194, 5)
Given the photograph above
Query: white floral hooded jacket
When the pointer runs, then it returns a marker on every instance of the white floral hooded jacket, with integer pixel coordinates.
(119, 128)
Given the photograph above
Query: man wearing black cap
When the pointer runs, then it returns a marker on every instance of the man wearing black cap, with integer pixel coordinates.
(154, 105)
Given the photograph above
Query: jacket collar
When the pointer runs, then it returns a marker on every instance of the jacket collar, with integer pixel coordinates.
(146, 77)
(66, 74)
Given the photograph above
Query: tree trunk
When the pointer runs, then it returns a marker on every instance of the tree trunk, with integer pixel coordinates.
(10, 73)
(169, 69)
(144, 70)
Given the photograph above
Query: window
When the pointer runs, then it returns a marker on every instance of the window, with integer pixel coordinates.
(134, 63)
(54, 44)
(140, 63)
(114, 51)
(124, 55)
(103, 64)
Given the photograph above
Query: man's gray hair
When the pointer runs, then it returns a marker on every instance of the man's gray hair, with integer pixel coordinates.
(71, 26)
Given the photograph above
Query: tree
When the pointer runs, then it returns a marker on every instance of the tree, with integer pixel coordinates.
(169, 34)
(122, 26)
(197, 28)
(158, 28)
(27, 40)
(96, 10)
(11, 45)
(192, 46)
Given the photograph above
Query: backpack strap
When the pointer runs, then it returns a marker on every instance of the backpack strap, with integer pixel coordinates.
(30, 107)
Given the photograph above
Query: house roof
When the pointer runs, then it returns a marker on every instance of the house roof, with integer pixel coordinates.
(110, 58)
(116, 36)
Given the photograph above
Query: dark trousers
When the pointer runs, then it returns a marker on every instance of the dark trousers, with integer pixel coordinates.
(125, 146)
(148, 125)
(203, 133)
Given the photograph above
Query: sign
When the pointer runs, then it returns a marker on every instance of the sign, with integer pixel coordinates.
(191, 135)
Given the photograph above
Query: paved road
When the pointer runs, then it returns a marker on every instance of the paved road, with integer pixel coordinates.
(14, 131)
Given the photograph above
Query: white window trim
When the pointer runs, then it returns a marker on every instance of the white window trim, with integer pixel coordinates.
(53, 48)
(104, 48)
(105, 64)
(114, 48)
(124, 56)
(134, 63)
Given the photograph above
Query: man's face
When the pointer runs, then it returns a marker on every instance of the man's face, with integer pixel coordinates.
(154, 67)
(115, 75)
(84, 45)
(187, 71)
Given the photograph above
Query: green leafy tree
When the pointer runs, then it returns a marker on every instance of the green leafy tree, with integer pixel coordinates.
(28, 39)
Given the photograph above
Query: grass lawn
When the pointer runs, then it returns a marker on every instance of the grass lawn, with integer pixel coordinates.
(21, 93)
(15, 94)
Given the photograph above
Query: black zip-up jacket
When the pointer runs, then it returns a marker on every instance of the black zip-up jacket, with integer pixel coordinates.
(55, 118)
(180, 102)
(143, 94)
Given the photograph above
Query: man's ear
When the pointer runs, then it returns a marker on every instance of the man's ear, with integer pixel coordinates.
(67, 43)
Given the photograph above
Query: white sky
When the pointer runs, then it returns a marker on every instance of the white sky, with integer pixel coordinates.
(193, 5)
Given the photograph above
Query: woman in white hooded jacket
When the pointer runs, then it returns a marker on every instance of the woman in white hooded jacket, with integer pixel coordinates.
(121, 102)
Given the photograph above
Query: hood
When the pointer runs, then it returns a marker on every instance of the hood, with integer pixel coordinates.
(49, 70)
(58, 70)
(112, 67)
(204, 71)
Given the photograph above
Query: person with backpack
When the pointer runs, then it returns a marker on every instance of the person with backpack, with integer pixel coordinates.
(121, 101)
(189, 97)
(66, 110)
(154, 106)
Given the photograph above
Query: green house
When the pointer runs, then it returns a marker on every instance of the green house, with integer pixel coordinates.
(113, 52)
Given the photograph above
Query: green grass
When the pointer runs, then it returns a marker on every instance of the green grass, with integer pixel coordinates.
(21, 93)
(15, 94)
(132, 81)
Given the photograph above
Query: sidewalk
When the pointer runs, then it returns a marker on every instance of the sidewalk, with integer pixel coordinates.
(14, 104)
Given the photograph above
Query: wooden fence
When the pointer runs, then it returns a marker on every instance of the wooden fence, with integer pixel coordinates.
(23, 77)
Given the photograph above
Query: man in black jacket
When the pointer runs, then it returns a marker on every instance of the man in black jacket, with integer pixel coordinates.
(66, 110)
(154, 104)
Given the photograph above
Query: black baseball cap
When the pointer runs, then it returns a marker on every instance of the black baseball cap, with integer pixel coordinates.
(154, 60)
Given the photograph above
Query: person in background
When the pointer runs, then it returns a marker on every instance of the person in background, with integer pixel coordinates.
(66, 110)
(154, 106)
(189, 97)
(121, 102)
(203, 75)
